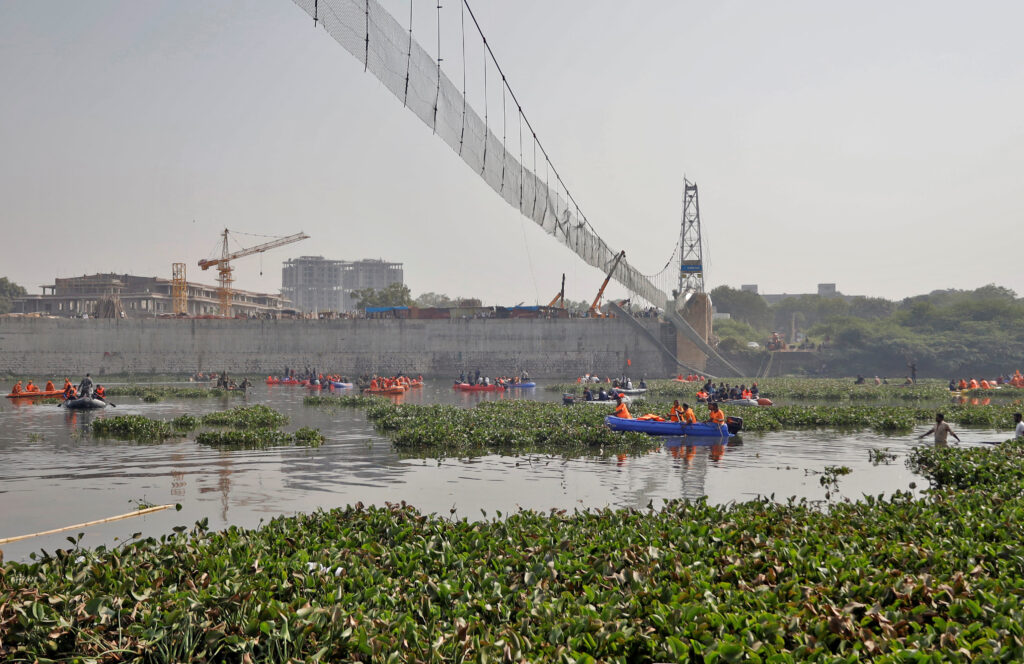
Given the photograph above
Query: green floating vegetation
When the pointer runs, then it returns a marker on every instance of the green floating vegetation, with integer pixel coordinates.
(153, 393)
(898, 579)
(246, 417)
(514, 427)
(341, 401)
(186, 422)
(133, 427)
(261, 438)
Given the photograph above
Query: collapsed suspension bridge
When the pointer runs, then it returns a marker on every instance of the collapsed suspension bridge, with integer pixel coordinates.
(391, 53)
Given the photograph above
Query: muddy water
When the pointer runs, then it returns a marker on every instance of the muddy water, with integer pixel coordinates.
(54, 473)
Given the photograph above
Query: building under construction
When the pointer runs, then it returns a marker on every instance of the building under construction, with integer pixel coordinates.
(131, 296)
(316, 284)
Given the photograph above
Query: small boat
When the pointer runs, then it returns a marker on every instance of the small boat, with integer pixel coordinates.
(655, 428)
(37, 395)
(415, 383)
(638, 390)
(522, 385)
(338, 385)
(745, 402)
(84, 403)
(572, 399)
(394, 389)
(466, 387)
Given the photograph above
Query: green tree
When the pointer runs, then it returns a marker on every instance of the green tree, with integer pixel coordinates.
(8, 291)
(394, 295)
(742, 305)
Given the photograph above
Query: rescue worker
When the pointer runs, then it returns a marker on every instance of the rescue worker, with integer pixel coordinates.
(31, 387)
(675, 414)
(715, 414)
(689, 417)
(17, 388)
(69, 391)
(962, 384)
(100, 393)
(49, 387)
(974, 383)
(85, 387)
(620, 409)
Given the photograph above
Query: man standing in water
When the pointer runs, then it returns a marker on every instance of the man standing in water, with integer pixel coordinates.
(941, 430)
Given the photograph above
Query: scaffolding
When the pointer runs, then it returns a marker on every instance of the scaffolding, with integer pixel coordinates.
(179, 289)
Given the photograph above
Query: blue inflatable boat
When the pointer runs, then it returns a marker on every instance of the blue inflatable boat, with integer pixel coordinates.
(341, 386)
(656, 428)
(530, 384)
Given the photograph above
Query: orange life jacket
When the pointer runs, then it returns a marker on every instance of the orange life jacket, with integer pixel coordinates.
(17, 388)
(49, 386)
(675, 413)
(689, 417)
(717, 416)
(974, 384)
(100, 392)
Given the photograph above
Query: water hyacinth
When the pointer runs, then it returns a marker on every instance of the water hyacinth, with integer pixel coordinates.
(513, 427)
(936, 578)
(158, 392)
(246, 417)
(133, 427)
(340, 401)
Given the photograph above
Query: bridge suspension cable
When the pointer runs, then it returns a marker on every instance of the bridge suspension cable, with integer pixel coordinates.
(391, 53)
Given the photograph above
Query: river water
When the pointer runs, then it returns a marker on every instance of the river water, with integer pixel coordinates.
(53, 473)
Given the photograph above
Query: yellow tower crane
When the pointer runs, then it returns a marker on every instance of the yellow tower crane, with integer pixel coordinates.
(224, 268)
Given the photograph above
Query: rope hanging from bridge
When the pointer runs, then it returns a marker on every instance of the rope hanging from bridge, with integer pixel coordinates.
(391, 53)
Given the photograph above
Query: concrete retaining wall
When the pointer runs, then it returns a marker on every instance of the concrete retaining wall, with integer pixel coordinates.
(43, 348)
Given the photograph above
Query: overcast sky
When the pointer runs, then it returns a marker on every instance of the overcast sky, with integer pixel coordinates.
(877, 145)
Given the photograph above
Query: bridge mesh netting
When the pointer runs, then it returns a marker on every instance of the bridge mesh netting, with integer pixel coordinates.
(515, 164)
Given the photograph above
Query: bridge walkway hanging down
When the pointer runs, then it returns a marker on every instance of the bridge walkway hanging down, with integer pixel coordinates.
(499, 143)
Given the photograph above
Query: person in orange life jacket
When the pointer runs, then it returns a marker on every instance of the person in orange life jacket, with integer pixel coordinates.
(715, 414)
(17, 388)
(100, 393)
(621, 410)
(689, 417)
(675, 414)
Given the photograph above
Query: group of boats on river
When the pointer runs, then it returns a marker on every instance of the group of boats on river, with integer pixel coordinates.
(86, 396)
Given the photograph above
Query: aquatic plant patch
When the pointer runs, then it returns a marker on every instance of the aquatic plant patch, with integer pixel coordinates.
(246, 417)
(158, 392)
(937, 578)
(133, 427)
(512, 427)
(341, 401)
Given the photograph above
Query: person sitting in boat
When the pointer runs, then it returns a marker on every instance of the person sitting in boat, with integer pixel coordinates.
(974, 383)
(17, 388)
(715, 414)
(602, 395)
(69, 391)
(907, 382)
(689, 417)
(49, 387)
(746, 394)
(675, 414)
(31, 387)
(587, 394)
(620, 409)
(643, 384)
(629, 384)
(100, 393)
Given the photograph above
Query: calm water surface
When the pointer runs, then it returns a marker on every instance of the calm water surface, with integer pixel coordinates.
(53, 473)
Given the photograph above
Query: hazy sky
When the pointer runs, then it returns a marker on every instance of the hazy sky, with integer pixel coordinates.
(878, 145)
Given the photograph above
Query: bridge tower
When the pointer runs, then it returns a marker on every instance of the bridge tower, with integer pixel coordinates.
(692, 301)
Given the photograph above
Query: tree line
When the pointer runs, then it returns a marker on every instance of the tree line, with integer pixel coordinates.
(945, 333)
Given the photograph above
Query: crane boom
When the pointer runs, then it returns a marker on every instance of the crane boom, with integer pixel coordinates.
(266, 246)
(593, 307)
(224, 269)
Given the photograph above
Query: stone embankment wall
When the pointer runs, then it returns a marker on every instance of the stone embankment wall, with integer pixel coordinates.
(42, 347)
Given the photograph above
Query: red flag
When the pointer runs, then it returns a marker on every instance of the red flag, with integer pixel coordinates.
(629, 363)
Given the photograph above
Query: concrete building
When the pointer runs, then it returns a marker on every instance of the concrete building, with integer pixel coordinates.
(139, 297)
(824, 290)
(315, 284)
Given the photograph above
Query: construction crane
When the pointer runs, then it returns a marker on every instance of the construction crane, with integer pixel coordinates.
(560, 298)
(593, 307)
(224, 268)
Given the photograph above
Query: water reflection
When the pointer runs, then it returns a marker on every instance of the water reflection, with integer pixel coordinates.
(54, 473)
